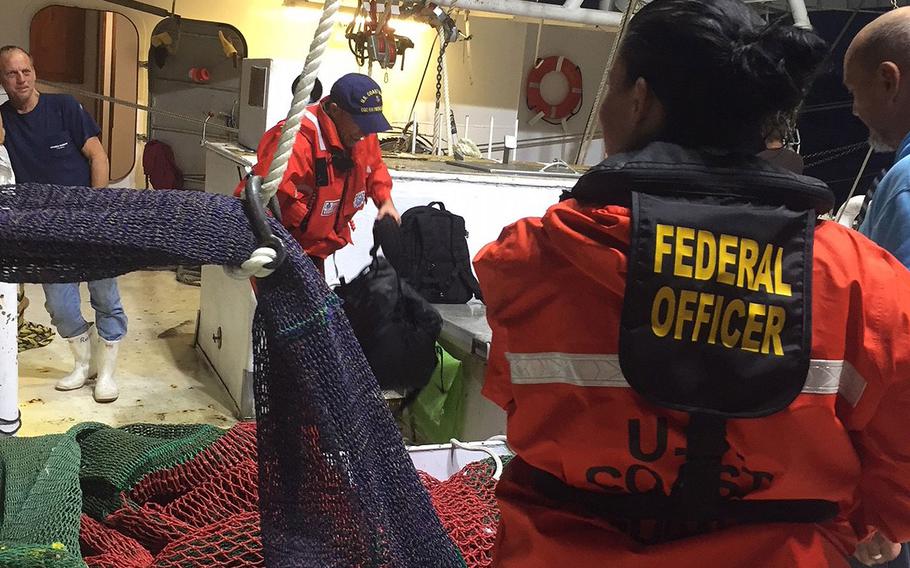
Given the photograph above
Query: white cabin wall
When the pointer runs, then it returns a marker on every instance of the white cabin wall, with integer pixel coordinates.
(589, 49)
(485, 79)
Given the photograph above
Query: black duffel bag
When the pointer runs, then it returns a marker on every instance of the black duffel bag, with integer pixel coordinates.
(396, 327)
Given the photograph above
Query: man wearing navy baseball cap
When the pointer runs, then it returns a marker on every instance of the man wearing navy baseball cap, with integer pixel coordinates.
(355, 105)
(335, 166)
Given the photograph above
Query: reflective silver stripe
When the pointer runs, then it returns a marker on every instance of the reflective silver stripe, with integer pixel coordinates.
(588, 370)
(824, 377)
(596, 370)
(828, 377)
(312, 118)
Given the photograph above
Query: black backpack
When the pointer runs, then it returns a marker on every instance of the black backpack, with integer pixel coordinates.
(397, 329)
(434, 255)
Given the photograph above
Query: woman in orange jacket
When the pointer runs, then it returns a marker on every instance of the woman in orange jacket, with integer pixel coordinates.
(696, 371)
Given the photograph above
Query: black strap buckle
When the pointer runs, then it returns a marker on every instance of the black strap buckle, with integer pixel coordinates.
(697, 488)
(255, 213)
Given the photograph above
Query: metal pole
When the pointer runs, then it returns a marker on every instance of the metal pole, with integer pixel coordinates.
(859, 176)
(539, 11)
(90, 94)
(800, 14)
(490, 144)
(9, 365)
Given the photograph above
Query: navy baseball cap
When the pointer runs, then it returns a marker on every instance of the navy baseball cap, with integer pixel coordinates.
(361, 97)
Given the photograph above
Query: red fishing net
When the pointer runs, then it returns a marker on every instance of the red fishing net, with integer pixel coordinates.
(205, 512)
(467, 508)
(104, 547)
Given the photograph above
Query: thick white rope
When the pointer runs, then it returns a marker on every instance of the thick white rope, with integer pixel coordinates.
(591, 124)
(537, 45)
(436, 132)
(447, 103)
(301, 99)
(254, 266)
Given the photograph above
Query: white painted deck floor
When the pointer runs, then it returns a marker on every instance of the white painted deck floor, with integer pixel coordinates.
(162, 377)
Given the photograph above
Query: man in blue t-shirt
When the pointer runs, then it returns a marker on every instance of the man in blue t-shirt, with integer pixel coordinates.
(877, 73)
(51, 139)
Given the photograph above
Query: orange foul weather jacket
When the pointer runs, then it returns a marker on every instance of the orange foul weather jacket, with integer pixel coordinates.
(554, 288)
(318, 197)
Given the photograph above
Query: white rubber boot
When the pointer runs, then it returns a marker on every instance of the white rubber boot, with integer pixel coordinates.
(106, 357)
(84, 367)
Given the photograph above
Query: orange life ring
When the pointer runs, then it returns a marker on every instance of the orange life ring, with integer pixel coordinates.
(570, 105)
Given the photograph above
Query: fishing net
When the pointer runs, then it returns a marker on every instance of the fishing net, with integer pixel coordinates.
(466, 505)
(204, 512)
(104, 547)
(195, 513)
(336, 487)
(114, 459)
(48, 483)
(29, 556)
(42, 501)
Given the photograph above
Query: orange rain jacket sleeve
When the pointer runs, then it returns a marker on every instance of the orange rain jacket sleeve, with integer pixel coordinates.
(379, 182)
(293, 203)
(876, 320)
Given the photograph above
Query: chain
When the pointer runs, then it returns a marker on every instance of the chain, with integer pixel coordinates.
(439, 75)
(894, 5)
(838, 150)
(436, 121)
(832, 154)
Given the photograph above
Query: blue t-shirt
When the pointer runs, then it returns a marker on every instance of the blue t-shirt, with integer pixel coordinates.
(888, 219)
(45, 145)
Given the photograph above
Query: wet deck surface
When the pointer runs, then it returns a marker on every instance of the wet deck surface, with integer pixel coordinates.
(162, 378)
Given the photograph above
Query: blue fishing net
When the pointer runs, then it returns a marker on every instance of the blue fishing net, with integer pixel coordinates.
(337, 488)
